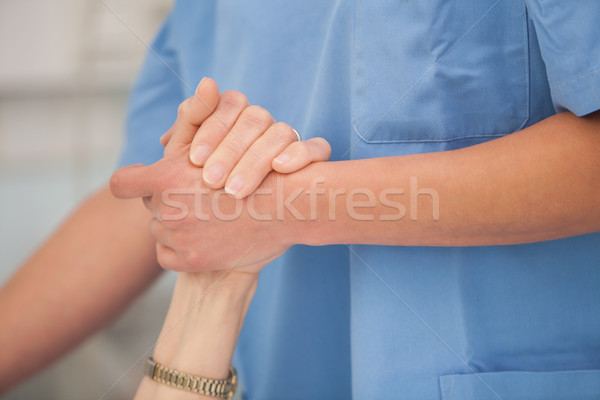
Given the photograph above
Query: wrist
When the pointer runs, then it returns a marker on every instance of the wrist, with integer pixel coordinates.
(204, 320)
(222, 284)
(272, 210)
(298, 205)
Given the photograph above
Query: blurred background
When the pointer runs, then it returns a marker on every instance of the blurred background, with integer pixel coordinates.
(66, 68)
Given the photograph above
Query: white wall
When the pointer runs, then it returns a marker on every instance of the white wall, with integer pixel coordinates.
(66, 67)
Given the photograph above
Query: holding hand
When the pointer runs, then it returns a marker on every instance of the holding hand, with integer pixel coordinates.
(238, 145)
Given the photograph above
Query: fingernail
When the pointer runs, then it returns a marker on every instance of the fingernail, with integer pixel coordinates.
(200, 84)
(200, 154)
(234, 185)
(214, 173)
(282, 158)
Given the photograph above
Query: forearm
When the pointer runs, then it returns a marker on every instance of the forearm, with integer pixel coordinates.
(538, 184)
(201, 328)
(86, 273)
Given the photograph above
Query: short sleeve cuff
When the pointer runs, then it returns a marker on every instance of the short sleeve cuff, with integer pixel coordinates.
(581, 95)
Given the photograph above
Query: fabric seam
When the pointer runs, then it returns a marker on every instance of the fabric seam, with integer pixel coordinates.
(570, 81)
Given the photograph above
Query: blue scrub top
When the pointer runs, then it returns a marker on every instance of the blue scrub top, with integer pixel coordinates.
(381, 78)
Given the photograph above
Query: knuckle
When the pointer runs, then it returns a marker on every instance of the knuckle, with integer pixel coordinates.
(193, 259)
(233, 98)
(283, 132)
(168, 261)
(162, 259)
(215, 124)
(154, 228)
(163, 256)
(182, 110)
(256, 116)
(164, 186)
(233, 145)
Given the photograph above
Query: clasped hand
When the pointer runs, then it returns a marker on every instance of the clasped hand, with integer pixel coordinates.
(207, 194)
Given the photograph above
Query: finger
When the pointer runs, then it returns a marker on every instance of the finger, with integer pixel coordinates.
(299, 154)
(165, 254)
(167, 258)
(255, 164)
(132, 181)
(251, 124)
(191, 114)
(160, 233)
(164, 139)
(217, 126)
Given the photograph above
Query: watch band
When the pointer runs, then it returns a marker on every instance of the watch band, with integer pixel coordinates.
(222, 388)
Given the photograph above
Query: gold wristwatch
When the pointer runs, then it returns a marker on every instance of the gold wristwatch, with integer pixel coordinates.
(221, 388)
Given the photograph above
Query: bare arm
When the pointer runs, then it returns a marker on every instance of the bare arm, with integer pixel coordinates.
(104, 255)
(538, 184)
(87, 273)
(201, 328)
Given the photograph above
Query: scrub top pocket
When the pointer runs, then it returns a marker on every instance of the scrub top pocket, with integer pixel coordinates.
(461, 72)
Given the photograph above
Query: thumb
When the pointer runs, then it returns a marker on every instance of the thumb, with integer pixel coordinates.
(132, 181)
(191, 114)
